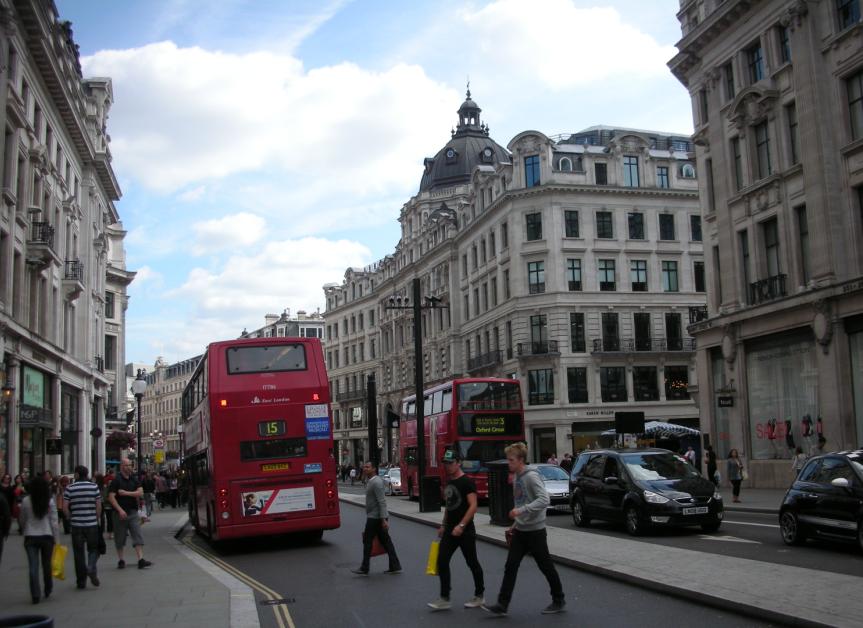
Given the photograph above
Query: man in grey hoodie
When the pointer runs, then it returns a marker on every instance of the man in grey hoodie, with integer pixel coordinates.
(527, 533)
(377, 522)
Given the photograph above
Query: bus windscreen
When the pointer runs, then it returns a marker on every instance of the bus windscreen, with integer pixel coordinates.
(270, 449)
(266, 359)
(489, 424)
(489, 396)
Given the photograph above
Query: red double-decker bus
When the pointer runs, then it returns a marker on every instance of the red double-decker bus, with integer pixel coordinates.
(258, 439)
(478, 417)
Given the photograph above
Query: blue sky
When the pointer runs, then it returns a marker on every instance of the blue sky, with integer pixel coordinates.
(264, 146)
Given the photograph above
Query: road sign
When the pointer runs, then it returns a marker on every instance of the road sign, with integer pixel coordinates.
(158, 444)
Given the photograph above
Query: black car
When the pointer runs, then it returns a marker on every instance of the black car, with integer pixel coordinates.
(642, 488)
(826, 500)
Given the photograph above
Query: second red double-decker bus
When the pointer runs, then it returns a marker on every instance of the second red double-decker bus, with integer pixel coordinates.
(478, 417)
(258, 439)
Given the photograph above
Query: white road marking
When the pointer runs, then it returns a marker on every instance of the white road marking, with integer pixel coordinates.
(732, 539)
(746, 523)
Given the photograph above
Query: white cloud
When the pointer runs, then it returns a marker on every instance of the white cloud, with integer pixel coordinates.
(236, 230)
(288, 273)
(184, 116)
(193, 194)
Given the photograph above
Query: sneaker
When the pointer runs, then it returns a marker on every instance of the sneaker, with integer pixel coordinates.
(440, 604)
(143, 563)
(553, 608)
(475, 602)
(121, 564)
(94, 579)
(82, 585)
(360, 571)
(495, 609)
(394, 570)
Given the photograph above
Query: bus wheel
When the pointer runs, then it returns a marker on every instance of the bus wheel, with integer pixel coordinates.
(411, 495)
(315, 536)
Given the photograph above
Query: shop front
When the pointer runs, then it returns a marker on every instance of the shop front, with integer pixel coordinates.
(35, 419)
(782, 393)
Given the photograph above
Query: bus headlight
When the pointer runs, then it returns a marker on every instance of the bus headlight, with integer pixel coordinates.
(225, 515)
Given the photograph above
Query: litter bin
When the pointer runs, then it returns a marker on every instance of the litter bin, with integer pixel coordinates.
(500, 499)
(26, 621)
(430, 494)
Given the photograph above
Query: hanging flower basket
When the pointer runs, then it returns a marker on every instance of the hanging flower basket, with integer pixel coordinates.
(121, 440)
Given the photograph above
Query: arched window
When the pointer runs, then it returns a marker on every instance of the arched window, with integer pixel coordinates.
(687, 171)
(565, 164)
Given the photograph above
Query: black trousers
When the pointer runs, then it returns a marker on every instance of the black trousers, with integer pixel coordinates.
(39, 550)
(735, 487)
(374, 528)
(85, 549)
(535, 542)
(448, 545)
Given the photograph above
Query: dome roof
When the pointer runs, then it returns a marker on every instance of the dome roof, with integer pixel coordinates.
(469, 147)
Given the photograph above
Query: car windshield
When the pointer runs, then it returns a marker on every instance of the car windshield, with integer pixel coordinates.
(552, 473)
(395, 475)
(658, 466)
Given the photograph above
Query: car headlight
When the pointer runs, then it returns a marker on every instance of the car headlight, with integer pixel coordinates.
(717, 496)
(654, 498)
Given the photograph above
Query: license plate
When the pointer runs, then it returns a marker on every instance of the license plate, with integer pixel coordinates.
(700, 510)
(280, 466)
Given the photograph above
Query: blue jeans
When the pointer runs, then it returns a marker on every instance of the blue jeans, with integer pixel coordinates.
(39, 550)
(85, 564)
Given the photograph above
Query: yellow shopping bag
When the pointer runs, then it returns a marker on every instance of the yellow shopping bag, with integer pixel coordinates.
(58, 561)
(431, 564)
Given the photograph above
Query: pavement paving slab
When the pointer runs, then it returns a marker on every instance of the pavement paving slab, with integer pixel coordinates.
(760, 589)
(180, 589)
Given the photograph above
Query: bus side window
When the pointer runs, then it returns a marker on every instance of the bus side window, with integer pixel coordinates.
(447, 401)
(437, 402)
(427, 405)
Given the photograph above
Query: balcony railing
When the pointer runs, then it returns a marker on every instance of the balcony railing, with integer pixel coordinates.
(350, 395)
(613, 344)
(42, 233)
(73, 270)
(697, 314)
(767, 289)
(548, 347)
(100, 363)
(485, 360)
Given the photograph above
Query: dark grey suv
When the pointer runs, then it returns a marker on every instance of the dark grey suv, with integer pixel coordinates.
(642, 488)
(826, 500)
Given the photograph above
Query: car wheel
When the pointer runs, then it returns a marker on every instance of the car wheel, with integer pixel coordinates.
(789, 525)
(634, 524)
(711, 526)
(579, 514)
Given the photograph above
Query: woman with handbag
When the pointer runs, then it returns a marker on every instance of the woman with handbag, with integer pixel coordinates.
(736, 473)
(41, 531)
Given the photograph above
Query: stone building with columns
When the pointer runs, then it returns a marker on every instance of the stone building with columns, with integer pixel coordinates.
(777, 99)
(572, 263)
(63, 274)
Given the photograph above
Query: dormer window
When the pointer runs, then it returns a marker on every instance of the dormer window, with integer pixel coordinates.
(451, 155)
(687, 171)
(565, 164)
(487, 155)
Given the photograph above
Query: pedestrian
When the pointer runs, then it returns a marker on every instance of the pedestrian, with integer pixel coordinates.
(19, 492)
(123, 494)
(41, 531)
(5, 521)
(552, 459)
(377, 522)
(736, 473)
(566, 463)
(60, 498)
(83, 509)
(7, 489)
(458, 531)
(161, 490)
(173, 490)
(527, 533)
(710, 460)
(106, 520)
(690, 455)
(149, 486)
(798, 461)
(353, 475)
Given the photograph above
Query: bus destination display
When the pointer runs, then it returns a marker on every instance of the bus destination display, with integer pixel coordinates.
(271, 428)
(489, 424)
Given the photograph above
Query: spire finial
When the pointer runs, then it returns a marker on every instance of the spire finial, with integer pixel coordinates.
(468, 86)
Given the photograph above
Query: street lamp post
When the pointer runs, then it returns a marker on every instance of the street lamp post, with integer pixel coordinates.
(138, 388)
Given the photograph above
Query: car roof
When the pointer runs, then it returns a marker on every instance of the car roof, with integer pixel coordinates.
(639, 450)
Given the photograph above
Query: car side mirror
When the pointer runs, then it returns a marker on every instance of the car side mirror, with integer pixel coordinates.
(841, 483)
(611, 479)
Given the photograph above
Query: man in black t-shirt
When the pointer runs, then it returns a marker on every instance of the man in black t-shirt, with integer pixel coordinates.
(124, 494)
(458, 530)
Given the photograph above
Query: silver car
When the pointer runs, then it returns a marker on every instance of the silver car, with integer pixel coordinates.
(393, 481)
(556, 483)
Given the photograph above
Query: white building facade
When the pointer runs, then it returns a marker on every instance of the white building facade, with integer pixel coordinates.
(62, 266)
(777, 92)
(573, 264)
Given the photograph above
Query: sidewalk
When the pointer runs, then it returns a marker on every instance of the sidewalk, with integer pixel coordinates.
(760, 500)
(765, 590)
(180, 589)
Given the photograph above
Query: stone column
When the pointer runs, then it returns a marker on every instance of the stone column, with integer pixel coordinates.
(13, 442)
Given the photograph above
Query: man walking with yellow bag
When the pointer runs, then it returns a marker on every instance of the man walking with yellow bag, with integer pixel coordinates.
(458, 531)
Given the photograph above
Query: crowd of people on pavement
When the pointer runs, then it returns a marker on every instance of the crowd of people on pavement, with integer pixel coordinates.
(114, 505)
(526, 534)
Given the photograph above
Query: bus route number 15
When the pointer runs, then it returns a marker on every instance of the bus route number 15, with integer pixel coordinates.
(271, 428)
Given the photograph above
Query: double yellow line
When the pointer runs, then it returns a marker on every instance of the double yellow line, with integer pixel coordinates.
(283, 616)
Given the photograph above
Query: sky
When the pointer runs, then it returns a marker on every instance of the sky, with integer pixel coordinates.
(265, 146)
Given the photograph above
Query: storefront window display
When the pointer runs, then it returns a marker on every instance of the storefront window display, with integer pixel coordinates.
(783, 396)
(856, 340)
(722, 435)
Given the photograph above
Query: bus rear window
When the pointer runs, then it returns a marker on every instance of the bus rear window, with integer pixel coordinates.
(269, 359)
(269, 449)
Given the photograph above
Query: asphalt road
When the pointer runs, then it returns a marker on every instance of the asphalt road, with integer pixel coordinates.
(746, 535)
(320, 590)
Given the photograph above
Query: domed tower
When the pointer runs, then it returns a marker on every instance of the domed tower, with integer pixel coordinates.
(469, 147)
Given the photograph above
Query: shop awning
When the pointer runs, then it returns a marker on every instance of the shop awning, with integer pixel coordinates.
(661, 428)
